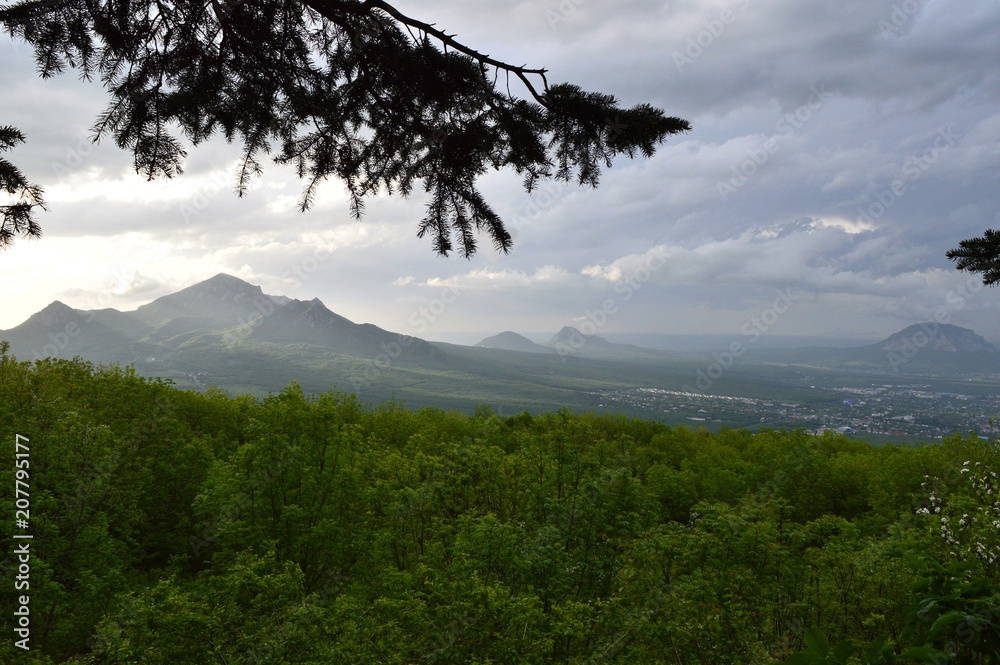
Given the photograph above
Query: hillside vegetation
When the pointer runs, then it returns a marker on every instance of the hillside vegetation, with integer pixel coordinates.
(176, 527)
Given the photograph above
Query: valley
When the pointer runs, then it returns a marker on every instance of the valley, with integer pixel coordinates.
(904, 412)
(928, 381)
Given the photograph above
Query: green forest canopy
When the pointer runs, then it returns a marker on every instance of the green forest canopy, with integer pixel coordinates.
(177, 527)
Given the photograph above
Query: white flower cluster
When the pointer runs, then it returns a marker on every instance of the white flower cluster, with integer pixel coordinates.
(976, 534)
(933, 498)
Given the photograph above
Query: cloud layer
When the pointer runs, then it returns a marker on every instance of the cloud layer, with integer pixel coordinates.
(839, 149)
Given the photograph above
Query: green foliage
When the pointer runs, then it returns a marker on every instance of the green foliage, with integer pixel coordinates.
(172, 526)
(957, 613)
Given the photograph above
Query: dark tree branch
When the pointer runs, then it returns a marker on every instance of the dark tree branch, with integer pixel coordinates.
(17, 213)
(350, 89)
(521, 72)
(979, 255)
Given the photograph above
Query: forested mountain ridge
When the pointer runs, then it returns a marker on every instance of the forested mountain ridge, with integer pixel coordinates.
(176, 527)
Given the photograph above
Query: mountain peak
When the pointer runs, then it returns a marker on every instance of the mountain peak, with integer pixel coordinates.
(511, 341)
(572, 336)
(224, 282)
(219, 300)
(55, 312)
(224, 278)
(936, 337)
(57, 306)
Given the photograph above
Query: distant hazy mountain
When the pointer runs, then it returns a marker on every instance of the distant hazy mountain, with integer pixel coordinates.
(511, 341)
(570, 341)
(570, 336)
(921, 349)
(218, 313)
(936, 337)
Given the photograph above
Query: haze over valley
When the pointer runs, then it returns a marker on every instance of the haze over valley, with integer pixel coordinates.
(928, 380)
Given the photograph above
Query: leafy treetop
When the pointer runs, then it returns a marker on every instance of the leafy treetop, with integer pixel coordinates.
(345, 88)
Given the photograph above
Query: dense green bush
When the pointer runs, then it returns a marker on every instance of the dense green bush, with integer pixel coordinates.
(176, 527)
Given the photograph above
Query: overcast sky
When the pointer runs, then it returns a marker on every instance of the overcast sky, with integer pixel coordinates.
(839, 149)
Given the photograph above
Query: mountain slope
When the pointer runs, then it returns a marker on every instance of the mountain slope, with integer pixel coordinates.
(310, 322)
(59, 331)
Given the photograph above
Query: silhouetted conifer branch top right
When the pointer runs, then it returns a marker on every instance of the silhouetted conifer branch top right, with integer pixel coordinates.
(345, 88)
(981, 255)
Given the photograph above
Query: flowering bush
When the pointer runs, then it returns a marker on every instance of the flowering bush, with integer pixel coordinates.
(970, 522)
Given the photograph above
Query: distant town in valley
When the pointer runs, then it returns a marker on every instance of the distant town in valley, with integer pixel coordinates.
(906, 411)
